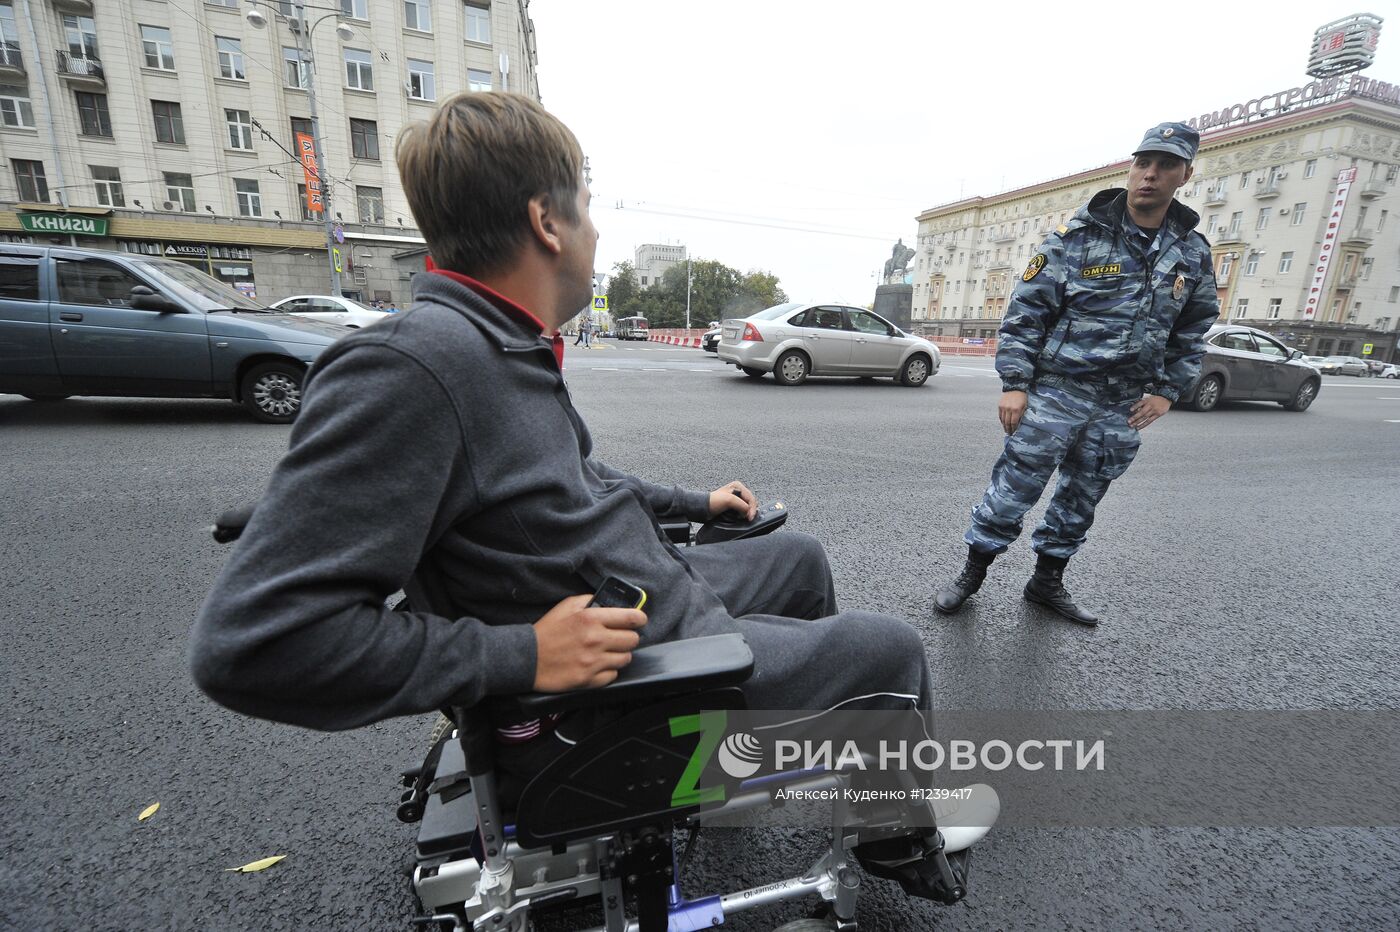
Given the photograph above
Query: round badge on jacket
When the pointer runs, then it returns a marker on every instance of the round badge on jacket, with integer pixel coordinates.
(1032, 270)
(1178, 287)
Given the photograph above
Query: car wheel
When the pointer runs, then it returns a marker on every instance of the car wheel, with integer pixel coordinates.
(272, 392)
(752, 372)
(1303, 398)
(45, 397)
(791, 368)
(914, 372)
(1207, 394)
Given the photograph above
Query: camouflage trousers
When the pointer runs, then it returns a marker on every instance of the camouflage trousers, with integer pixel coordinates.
(1087, 439)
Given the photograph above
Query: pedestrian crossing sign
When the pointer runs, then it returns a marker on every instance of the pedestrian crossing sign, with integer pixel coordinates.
(1368, 349)
(600, 302)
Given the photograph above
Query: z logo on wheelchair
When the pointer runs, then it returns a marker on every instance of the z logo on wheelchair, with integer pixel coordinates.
(739, 755)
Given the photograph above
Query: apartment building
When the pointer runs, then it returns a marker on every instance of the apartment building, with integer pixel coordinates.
(653, 260)
(168, 127)
(1299, 201)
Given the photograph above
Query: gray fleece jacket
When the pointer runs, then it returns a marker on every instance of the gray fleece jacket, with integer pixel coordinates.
(443, 436)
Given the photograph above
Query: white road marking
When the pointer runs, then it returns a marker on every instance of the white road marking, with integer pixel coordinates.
(1393, 422)
(1387, 398)
(605, 369)
(650, 369)
(702, 370)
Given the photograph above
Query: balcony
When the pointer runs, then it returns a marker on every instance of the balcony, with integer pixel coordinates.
(1215, 197)
(1348, 282)
(11, 61)
(1265, 191)
(1373, 189)
(1359, 236)
(81, 70)
(1232, 235)
(1001, 237)
(74, 6)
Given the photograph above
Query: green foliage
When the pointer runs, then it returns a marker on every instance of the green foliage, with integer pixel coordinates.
(716, 292)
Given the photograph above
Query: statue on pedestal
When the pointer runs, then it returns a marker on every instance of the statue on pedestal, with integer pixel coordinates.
(898, 262)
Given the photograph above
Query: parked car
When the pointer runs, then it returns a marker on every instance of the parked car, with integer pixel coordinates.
(793, 341)
(93, 322)
(1313, 361)
(1244, 364)
(710, 341)
(344, 311)
(1374, 366)
(1344, 365)
(1391, 371)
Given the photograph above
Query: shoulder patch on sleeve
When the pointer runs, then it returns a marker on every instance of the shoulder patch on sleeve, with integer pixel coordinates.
(1036, 264)
(1062, 229)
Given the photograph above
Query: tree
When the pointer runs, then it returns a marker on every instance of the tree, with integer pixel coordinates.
(759, 289)
(622, 290)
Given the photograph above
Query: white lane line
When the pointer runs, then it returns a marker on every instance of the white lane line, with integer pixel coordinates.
(605, 369)
(650, 369)
(702, 370)
(1387, 398)
(1393, 422)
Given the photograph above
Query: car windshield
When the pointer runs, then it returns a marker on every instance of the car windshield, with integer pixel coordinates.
(203, 291)
(775, 312)
(1335, 359)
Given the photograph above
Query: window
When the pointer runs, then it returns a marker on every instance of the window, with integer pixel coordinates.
(355, 9)
(1240, 342)
(108, 183)
(294, 71)
(364, 139)
(1236, 219)
(19, 278)
(421, 85)
(1394, 294)
(417, 14)
(1299, 210)
(478, 25)
(81, 35)
(1244, 180)
(1275, 306)
(1263, 222)
(14, 107)
(9, 37)
(478, 80)
(249, 198)
(866, 323)
(1380, 224)
(359, 72)
(240, 129)
(94, 283)
(1212, 223)
(179, 190)
(1227, 262)
(30, 180)
(158, 47)
(170, 126)
(1269, 347)
(306, 212)
(92, 114)
(1285, 262)
(231, 4)
(1366, 267)
(300, 125)
(1309, 168)
(1391, 174)
(1251, 264)
(371, 204)
(230, 58)
(1241, 308)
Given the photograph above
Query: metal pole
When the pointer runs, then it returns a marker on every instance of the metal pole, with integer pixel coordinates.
(308, 57)
(687, 293)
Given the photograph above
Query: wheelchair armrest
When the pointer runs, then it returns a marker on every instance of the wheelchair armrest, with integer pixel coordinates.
(658, 670)
(677, 531)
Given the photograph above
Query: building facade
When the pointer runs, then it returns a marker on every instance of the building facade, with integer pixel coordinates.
(176, 123)
(654, 260)
(1302, 210)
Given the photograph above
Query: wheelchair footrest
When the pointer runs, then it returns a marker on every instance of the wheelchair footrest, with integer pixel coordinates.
(449, 818)
(921, 868)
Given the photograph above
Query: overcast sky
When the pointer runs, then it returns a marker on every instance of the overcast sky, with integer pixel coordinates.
(842, 121)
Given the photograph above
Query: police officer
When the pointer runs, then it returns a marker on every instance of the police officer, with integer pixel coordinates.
(1105, 330)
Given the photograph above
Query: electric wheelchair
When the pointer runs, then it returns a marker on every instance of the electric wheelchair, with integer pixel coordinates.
(598, 822)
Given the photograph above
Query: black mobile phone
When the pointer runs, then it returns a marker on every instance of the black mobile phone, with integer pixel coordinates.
(615, 593)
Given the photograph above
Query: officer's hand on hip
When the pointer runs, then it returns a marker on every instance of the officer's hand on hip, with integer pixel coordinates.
(1011, 409)
(1147, 410)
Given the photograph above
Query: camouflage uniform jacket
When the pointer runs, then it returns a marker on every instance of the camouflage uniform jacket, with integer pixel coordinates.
(1093, 308)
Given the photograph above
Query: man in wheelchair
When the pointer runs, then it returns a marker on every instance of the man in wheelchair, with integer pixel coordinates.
(439, 452)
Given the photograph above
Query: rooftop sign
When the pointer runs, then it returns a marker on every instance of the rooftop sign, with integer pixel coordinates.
(1312, 94)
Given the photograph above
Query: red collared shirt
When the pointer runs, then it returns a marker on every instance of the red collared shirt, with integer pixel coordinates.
(507, 306)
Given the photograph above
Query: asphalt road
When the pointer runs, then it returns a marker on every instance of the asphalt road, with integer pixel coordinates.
(1246, 561)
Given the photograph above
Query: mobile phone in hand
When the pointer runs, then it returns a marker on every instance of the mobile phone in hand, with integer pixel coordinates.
(615, 593)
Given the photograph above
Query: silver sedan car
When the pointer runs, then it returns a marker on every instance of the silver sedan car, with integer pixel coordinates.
(793, 341)
(343, 311)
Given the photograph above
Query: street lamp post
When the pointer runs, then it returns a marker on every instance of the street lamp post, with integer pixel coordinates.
(258, 19)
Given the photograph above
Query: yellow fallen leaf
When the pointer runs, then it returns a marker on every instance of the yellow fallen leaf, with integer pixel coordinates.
(261, 865)
(148, 812)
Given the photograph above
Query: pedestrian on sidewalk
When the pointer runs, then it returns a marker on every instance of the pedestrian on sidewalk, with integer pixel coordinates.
(1104, 332)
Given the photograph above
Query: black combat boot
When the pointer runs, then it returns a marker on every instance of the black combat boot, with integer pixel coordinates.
(951, 597)
(1047, 588)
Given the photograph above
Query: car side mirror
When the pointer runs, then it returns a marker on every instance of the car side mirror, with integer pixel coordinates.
(1296, 354)
(145, 299)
